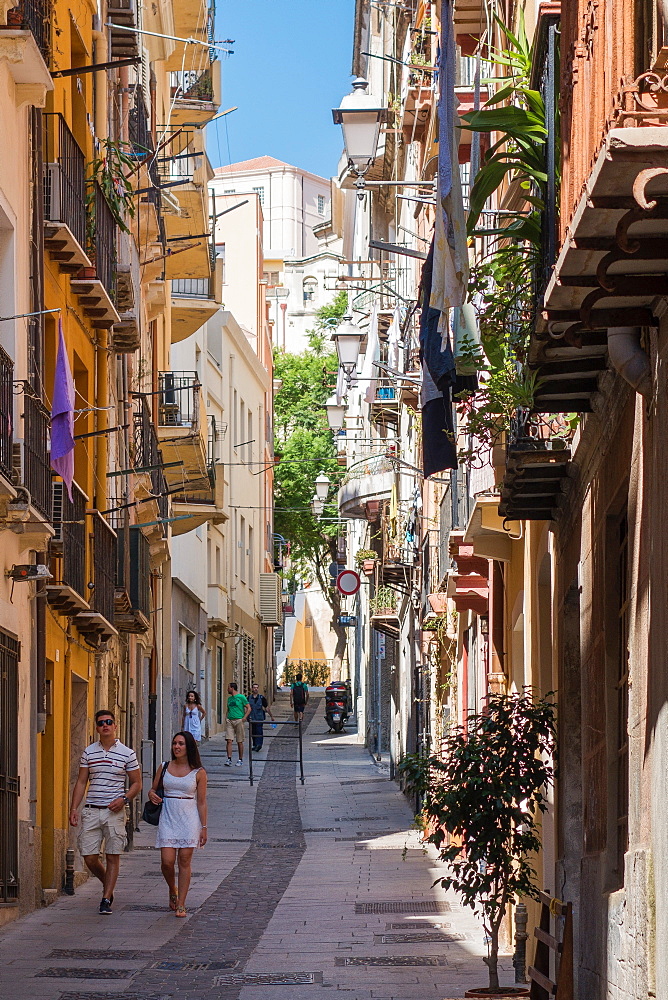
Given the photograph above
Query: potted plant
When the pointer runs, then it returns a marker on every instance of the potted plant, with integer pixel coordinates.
(384, 602)
(366, 558)
(483, 795)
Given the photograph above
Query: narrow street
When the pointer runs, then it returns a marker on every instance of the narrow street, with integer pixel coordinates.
(300, 889)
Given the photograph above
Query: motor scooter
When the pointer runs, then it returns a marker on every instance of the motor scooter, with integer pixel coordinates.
(336, 705)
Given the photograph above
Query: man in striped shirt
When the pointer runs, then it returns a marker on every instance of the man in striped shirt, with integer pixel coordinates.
(103, 767)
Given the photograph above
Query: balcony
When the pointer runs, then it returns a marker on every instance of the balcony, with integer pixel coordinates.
(182, 433)
(132, 602)
(36, 470)
(25, 47)
(68, 591)
(97, 292)
(537, 467)
(150, 484)
(184, 171)
(366, 485)
(203, 499)
(64, 196)
(95, 623)
(194, 301)
(126, 335)
(384, 409)
(468, 585)
(192, 19)
(123, 14)
(6, 414)
(195, 96)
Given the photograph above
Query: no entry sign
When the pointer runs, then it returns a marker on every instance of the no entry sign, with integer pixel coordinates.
(348, 582)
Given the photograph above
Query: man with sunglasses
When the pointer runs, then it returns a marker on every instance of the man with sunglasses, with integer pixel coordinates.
(103, 767)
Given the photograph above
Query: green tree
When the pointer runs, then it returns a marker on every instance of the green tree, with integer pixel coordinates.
(303, 440)
(485, 789)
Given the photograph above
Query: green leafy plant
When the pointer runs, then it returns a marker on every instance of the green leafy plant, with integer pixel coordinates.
(363, 554)
(385, 599)
(483, 795)
(108, 169)
(520, 150)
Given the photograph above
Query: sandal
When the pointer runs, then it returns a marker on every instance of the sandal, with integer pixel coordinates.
(181, 910)
(173, 900)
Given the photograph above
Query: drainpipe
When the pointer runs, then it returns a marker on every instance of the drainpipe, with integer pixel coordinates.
(629, 359)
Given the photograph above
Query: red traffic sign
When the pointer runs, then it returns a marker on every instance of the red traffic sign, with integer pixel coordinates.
(348, 582)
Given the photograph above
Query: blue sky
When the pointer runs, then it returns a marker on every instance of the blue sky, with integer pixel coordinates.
(291, 66)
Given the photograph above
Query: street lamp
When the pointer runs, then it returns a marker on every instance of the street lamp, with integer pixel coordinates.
(360, 119)
(347, 338)
(335, 413)
(322, 486)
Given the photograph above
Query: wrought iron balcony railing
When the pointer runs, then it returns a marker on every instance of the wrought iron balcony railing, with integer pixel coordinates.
(64, 178)
(179, 399)
(36, 466)
(70, 524)
(104, 242)
(34, 16)
(147, 454)
(538, 431)
(545, 79)
(6, 412)
(104, 568)
(189, 85)
(180, 167)
(193, 288)
(138, 128)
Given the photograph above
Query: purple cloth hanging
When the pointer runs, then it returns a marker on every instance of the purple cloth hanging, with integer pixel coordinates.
(62, 416)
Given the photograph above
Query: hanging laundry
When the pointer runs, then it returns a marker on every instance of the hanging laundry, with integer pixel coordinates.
(62, 416)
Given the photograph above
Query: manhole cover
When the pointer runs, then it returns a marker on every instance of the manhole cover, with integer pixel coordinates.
(268, 979)
(74, 973)
(427, 937)
(98, 954)
(416, 906)
(394, 960)
(192, 966)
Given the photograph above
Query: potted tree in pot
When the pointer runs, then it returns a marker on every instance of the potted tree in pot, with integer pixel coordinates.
(366, 558)
(483, 795)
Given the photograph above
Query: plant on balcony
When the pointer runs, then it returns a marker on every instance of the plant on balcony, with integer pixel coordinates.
(483, 796)
(364, 555)
(109, 170)
(384, 601)
(520, 149)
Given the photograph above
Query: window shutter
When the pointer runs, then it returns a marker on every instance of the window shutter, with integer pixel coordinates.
(270, 599)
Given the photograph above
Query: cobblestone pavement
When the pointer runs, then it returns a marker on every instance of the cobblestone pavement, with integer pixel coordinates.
(300, 889)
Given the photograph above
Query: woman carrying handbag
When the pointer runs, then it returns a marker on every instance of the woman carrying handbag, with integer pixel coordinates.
(182, 824)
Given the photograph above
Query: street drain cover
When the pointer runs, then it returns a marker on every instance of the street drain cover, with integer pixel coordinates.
(268, 979)
(320, 829)
(415, 906)
(394, 960)
(192, 966)
(367, 781)
(74, 973)
(358, 819)
(115, 996)
(98, 954)
(413, 927)
(428, 937)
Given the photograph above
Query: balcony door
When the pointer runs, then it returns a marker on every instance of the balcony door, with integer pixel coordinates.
(9, 779)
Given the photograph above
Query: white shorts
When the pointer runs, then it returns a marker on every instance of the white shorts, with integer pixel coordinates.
(99, 825)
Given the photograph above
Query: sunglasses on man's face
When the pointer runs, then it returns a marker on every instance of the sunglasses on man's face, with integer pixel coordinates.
(104, 722)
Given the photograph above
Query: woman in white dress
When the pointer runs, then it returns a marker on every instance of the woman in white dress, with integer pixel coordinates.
(193, 715)
(182, 825)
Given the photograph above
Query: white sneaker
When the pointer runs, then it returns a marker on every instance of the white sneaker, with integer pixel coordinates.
(228, 762)
(239, 763)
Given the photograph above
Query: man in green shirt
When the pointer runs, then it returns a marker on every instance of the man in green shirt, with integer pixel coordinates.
(238, 710)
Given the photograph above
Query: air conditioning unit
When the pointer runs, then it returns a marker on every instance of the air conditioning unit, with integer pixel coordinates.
(270, 599)
(52, 206)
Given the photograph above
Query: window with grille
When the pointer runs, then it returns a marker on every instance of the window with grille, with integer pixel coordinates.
(9, 779)
(259, 191)
(321, 204)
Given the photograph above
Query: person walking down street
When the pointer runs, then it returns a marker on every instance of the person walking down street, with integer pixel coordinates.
(238, 710)
(104, 766)
(298, 697)
(193, 715)
(259, 711)
(183, 818)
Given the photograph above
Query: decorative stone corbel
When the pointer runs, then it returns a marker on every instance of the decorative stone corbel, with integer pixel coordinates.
(33, 94)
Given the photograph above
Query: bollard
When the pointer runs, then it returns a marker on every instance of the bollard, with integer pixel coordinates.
(520, 956)
(69, 872)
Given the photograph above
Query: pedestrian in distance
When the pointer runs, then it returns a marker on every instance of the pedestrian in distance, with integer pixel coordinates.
(183, 818)
(104, 766)
(238, 710)
(298, 697)
(259, 710)
(193, 716)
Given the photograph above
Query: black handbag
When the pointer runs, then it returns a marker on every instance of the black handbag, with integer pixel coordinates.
(151, 813)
